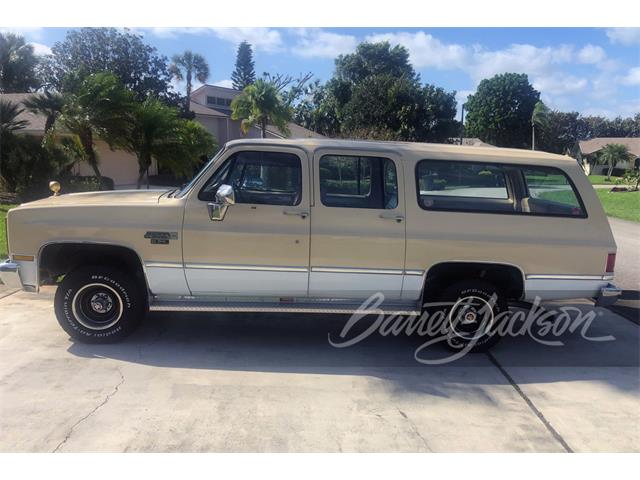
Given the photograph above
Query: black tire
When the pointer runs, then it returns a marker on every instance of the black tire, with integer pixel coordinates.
(474, 312)
(99, 304)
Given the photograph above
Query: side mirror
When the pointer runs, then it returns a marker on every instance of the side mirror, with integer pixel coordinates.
(225, 196)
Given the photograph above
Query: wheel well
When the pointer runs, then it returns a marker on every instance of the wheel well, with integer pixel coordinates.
(507, 277)
(60, 258)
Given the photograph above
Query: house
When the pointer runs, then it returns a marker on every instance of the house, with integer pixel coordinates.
(587, 151)
(119, 165)
(212, 108)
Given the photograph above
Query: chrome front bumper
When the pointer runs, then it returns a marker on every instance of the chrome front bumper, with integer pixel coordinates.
(608, 296)
(10, 274)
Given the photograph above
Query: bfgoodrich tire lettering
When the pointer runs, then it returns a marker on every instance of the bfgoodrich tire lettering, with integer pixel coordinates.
(99, 304)
(482, 297)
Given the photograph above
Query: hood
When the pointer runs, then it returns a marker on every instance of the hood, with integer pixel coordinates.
(112, 197)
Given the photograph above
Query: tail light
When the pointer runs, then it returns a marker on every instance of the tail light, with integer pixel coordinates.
(611, 262)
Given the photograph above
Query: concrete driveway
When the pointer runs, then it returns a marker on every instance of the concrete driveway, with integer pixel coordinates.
(270, 383)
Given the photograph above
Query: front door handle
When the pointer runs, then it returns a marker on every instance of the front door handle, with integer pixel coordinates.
(392, 216)
(299, 213)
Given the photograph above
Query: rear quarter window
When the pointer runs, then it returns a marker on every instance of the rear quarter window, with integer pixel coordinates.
(549, 191)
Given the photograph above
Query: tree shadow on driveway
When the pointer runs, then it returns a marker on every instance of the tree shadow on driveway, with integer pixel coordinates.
(288, 343)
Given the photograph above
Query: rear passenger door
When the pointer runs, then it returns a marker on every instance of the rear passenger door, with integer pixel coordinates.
(357, 225)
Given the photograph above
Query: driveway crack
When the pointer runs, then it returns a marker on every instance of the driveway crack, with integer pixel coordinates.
(98, 407)
(414, 429)
(530, 404)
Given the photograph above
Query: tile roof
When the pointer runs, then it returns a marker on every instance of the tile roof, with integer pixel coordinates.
(36, 121)
(595, 144)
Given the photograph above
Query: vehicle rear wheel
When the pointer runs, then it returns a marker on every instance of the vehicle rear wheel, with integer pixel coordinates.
(99, 304)
(475, 310)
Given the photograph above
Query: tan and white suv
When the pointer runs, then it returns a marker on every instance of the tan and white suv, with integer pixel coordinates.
(320, 226)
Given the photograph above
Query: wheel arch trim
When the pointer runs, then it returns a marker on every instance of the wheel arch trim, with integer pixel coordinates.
(90, 242)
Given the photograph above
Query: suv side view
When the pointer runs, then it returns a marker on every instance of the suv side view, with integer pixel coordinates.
(321, 226)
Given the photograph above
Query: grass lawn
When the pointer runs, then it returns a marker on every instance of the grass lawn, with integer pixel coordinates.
(3, 229)
(625, 205)
(602, 180)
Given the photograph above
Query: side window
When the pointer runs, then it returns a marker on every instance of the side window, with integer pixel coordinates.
(358, 182)
(266, 178)
(464, 186)
(549, 192)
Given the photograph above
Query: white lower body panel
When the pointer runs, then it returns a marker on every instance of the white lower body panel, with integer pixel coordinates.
(557, 288)
(207, 281)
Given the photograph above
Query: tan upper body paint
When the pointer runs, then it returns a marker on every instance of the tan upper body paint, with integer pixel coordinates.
(266, 235)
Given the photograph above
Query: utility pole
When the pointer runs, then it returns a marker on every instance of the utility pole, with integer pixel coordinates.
(462, 125)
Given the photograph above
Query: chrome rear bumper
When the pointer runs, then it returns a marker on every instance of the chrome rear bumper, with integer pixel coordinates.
(608, 295)
(10, 274)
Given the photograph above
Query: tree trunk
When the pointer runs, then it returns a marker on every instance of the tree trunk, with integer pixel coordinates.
(147, 178)
(609, 172)
(263, 126)
(86, 138)
(187, 107)
(140, 177)
(533, 137)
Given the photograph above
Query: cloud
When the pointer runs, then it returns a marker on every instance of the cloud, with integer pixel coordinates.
(41, 49)
(224, 83)
(591, 54)
(624, 36)
(34, 33)
(266, 39)
(173, 32)
(631, 78)
(180, 86)
(518, 58)
(318, 43)
(560, 84)
(425, 50)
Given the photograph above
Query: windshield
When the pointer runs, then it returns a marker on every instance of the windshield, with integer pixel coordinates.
(188, 186)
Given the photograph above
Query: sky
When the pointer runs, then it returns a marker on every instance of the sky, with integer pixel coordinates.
(595, 71)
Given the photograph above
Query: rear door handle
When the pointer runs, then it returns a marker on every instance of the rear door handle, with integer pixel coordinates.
(392, 216)
(299, 213)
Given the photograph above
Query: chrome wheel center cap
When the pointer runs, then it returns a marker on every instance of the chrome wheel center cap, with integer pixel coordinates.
(101, 303)
(469, 317)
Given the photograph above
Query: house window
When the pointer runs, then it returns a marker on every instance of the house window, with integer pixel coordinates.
(211, 100)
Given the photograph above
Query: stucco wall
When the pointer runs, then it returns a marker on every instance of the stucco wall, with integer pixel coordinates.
(121, 166)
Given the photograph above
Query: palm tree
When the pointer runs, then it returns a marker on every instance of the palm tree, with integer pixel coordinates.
(155, 131)
(187, 66)
(9, 113)
(49, 104)
(611, 154)
(152, 125)
(99, 109)
(17, 65)
(261, 104)
(540, 119)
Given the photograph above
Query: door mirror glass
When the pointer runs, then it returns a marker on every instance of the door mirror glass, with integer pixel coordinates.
(226, 195)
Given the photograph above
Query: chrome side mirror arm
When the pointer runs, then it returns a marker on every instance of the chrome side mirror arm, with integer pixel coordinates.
(225, 197)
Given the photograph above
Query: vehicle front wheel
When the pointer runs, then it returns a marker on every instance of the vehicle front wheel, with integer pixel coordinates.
(98, 304)
(474, 311)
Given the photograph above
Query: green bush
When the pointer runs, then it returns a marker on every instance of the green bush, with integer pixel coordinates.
(76, 183)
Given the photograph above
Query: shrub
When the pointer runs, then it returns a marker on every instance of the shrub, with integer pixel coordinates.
(77, 183)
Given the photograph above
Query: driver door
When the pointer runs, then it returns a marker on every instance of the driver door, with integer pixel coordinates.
(261, 245)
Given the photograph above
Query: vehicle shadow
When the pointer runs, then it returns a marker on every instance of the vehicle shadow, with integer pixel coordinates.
(300, 344)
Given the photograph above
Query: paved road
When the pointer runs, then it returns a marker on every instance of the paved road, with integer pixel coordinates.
(627, 235)
(273, 383)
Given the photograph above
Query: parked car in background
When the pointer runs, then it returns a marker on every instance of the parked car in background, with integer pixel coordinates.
(319, 226)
